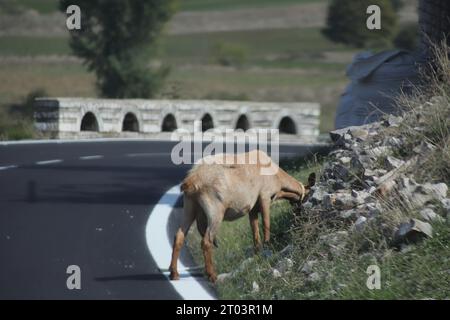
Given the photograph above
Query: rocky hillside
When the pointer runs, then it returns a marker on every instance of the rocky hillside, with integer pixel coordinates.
(371, 179)
(381, 201)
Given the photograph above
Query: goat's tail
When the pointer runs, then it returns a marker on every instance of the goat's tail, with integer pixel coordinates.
(189, 186)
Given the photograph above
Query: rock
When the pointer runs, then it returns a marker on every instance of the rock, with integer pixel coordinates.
(339, 136)
(386, 188)
(360, 196)
(393, 121)
(308, 266)
(359, 133)
(378, 151)
(438, 191)
(255, 287)
(307, 205)
(345, 160)
(424, 148)
(404, 248)
(446, 205)
(360, 224)
(340, 184)
(394, 142)
(276, 273)
(317, 195)
(341, 172)
(373, 208)
(372, 190)
(285, 265)
(412, 231)
(314, 277)
(221, 278)
(393, 163)
(266, 253)
(328, 201)
(287, 251)
(358, 164)
(419, 195)
(429, 215)
(348, 214)
(244, 265)
(370, 175)
(344, 201)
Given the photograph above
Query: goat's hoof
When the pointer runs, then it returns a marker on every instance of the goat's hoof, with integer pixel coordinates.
(174, 276)
(213, 278)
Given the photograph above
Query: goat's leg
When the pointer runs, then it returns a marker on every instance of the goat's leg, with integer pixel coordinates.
(265, 211)
(253, 216)
(214, 213)
(207, 254)
(188, 219)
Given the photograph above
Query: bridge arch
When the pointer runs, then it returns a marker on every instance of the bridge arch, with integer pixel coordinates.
(169, 123)
(207, 122)
(242, 123)
(89, 122)
(130, 123)
(287, 126)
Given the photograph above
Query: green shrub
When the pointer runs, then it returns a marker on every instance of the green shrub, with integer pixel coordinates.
(407, 37)
(347, 22)
(117, 40)
(17, 120)
(229, 54)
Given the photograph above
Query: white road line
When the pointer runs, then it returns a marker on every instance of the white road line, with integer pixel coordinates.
(43, 163)
(8, 167)
(137, 155)
(91, 157)
(160, 247)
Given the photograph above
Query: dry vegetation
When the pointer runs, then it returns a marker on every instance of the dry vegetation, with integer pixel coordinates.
(327, 254)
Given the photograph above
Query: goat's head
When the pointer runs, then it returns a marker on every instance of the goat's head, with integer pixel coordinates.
(304, 190)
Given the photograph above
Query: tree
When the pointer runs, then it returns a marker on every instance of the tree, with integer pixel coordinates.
(117, 39)
(346, 22)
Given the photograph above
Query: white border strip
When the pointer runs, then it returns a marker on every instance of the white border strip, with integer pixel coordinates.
(46, 162)
(8, 167)
(91, 157)
(160, 247)
(296, 141)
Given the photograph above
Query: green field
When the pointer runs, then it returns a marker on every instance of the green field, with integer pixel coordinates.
(42, 6)
(195, 5)
(278, 65)
(48, 6)
(34, 46)
(285, 65)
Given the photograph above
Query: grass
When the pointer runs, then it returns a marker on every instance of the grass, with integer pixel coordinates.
(280, 65)
(417, 271)
(41, 6)
(200, 5)
(49, 6)
(305, 45)
(34, 46)
(57, 79)
(235, 241)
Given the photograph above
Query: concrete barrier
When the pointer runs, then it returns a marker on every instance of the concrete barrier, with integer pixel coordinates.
(67, 118)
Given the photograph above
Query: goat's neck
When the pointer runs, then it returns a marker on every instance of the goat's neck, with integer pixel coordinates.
(288, 183)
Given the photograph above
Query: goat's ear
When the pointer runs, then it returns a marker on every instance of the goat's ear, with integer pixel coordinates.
(311, 180)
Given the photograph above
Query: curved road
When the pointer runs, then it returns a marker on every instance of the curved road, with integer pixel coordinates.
(85, 204)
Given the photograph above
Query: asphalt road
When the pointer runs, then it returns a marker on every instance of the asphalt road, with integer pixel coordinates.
(85, 204)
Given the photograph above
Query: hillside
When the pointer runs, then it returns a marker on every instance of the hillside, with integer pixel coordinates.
(381, 202)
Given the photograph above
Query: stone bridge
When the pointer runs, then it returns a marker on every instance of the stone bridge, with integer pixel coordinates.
(85, 118)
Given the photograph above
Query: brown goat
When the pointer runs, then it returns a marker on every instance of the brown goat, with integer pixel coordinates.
(228, 188)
